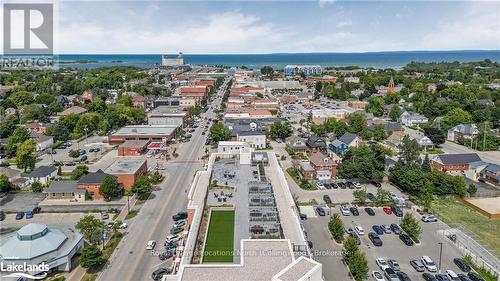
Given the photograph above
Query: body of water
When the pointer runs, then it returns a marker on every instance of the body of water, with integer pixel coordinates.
(254, 61)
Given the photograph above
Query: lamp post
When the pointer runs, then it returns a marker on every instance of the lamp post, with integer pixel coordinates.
(440, 255)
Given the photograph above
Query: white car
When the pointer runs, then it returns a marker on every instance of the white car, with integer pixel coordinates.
(382, 263)
(344, 209)
(151, 245)
(377, 276)
(429, 264)
(359, 230)
(452, 275)
(357, 184)
(429, 218)
(172, 238)
(123, 225)
(180, 223)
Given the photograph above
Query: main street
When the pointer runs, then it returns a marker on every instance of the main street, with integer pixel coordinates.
(131, 260)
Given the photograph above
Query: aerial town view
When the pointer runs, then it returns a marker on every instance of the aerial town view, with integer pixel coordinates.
(250, 140)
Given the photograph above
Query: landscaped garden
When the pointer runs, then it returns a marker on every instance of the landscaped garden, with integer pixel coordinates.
(220, 237)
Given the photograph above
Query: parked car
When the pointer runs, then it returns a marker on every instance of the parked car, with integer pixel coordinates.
(429, 264)
(460, 263)
(166, 255)
(19, 215)
(382, 263)
(370, 196)
(391, 274)
(344, 209)
(393, 264)
(403, 276)
(354, 211)
(356, 237)
(123, 225)
(170, 246)
(359, 230)
(29, 214)
(104, 216)
(110, 224)
(176, 229)
(387, 210)
(377, 276)
(378, 229)
(36, 210)
(417, 265)
(357, 185)
(179, 216)
(303, 216)
(397, 211)
(2, 215)
(442, 277)
(428, 277)
(327, 199)
(321, 212)
(84, 158)
(396, 229)
(386, 228)
(474, 276)
(452, 275)
(150, 245)
(406, 239)
(172, 238)
(429, 218)
(375, 239)
(369, 211)
(158, 274)
(463, 277)
(180, 223)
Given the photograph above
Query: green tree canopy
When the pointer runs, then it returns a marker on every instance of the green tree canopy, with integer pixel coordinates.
(280, 130)
(25, 155)
(5, 184)
(336, 227)
(91, 228)
(91, 257)
(79, 171)
(411, 226)
(455, 117)
(142, 187)
(109, 188)
(219, 132)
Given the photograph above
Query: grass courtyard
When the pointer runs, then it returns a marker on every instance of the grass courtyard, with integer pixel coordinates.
(220, 237)
(454, 213)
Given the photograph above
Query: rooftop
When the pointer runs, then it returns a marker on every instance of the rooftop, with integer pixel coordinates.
(125, 166)
(162, 130)
(64, 186)
(94, 178)
(42, 171)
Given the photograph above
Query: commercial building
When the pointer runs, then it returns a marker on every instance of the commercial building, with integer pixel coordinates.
(132, 147)
(154, 133)
(36, 243)
(91, 182)
(303, 69)
(174, 61)
(64, 190)
(167, 115)
(127, 170)
(454, 162)
(231, 146)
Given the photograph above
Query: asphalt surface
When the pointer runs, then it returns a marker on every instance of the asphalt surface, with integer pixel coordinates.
(131, 260)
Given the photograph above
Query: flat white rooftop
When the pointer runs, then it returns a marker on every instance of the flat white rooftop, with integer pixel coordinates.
(146, 130)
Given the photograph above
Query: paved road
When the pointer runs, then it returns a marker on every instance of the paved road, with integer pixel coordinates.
(131, 260)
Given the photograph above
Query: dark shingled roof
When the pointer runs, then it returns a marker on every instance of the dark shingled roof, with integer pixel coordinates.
(347, 138)
(94, 178)
(458, 159)
(42, 171)
(64, 186)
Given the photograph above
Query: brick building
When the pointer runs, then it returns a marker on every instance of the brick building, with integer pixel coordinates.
(127, 171)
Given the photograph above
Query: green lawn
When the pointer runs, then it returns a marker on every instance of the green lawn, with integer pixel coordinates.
(220, 238)
(455, 213)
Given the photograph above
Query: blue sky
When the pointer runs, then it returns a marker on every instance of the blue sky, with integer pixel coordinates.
(275, 26)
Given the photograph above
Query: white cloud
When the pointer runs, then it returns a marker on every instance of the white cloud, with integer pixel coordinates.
(344, 23)
(323, 3)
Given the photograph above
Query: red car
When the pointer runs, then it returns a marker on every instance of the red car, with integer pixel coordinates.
(388, 210)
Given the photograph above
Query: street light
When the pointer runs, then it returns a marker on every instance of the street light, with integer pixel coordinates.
(440, 255)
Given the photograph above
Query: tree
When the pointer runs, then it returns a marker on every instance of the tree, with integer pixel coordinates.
(376, 106)
(5, 184)
(436, 135)
(379, 133)
(280, 130)
(22, 98)
(350, 248)
(109, 188)
(267, 70)
(36, 187)
(336, 227)
(395, 113)
(219, 132)
(19, 135)
(141, 187)
(91, 228)
(359, 266)
(91, 257)
(382, 196)
(79, 171)
(409, 151)
(456, 116)
(318, 86)
(472, 189)
(426, 164)
(156, 177)
(25, 158)
(363, 163)
(425, 196)
(411, 226)
(360, 196)
(357, 122)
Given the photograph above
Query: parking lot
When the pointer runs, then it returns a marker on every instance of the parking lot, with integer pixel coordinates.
(45, 218)
(392, 248)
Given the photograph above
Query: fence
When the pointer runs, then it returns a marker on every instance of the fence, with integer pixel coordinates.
(481, 256)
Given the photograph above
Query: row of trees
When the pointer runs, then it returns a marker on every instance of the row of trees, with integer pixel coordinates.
(364, 162)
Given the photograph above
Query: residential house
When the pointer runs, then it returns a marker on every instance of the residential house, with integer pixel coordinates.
(352, 140)
(92, 181)
(474, 171)
(42, 174)
(297, 144)
(324, 166)
(65, 190)
(139, 101)
(454, 162)
(316, 143)
(422, 140)
(395, 139)
(338, 147)
(491, 174)
(306, 170)
(389, 127)
(410, 119)
(78, 110)
(42, 141)
(37, 127)
(468, 131)
(14, 177)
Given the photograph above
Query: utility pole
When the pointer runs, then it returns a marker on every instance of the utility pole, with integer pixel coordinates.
(440, 255)
(484, 136)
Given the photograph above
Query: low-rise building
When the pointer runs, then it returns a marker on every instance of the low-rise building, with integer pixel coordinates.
(37, 127)
(324, 166)
(64, 190)
(410, 119)
(92, 181)
(316, 143)
(78, 110)
(491, 174)
(231, 146)
(42, 141)
(153, 133)
(454, 162)
(351, 140)
(421, 139)
(167, 115)
(297, 144)
(127, 171)
(36, 243)
(132, 147)
(468, 131)
(42, 174)
(139, 101)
